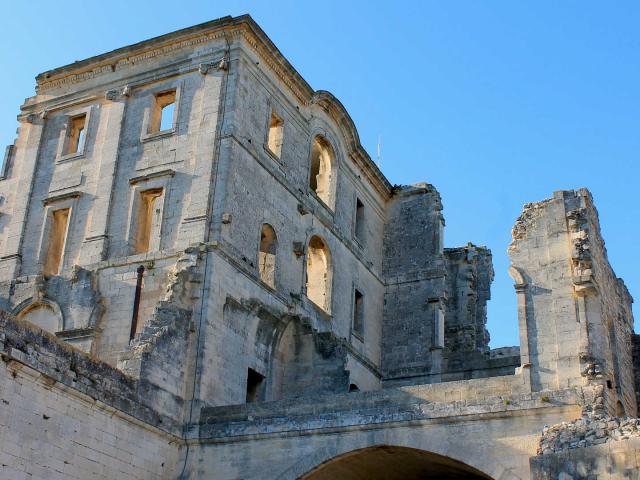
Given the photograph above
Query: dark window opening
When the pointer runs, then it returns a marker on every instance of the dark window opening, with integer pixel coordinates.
(358, 312)
(359, 226)
(353, 388)
(254, 386)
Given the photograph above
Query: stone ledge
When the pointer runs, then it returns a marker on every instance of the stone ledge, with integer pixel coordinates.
(370, 408)
(58, 361)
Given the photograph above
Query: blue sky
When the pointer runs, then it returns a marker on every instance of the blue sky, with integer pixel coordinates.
(496, 103)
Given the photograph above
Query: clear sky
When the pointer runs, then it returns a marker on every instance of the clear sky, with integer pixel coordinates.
(496, 103)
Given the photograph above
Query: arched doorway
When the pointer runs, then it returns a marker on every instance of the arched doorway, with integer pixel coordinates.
(393, 463)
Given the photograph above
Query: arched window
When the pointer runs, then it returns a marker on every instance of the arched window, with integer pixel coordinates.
(267, 255)
(319, 273)
(320, 178)
(42, 315)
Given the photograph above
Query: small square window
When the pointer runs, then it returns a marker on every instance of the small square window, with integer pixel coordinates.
(162, 117)
(276, 131)
(77, 134)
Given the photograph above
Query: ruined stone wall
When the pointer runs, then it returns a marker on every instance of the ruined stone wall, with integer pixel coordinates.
(414, 269)
(255, 187)
(90, 302)
(64, 415)
(636, 365)
(574, 314)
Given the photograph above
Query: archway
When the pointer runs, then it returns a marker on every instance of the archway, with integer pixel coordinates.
(385, 462)
(267, 255)
(43, 315)
(318, 280)
(321, 170)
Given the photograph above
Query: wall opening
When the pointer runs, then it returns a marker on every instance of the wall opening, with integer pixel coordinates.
(77, 134)
(358, 313)
(148, 219)
(383, 462)
(319, 273)
(321, 174)
(162, 116)
(254, 386)
(267, 255)
(43, 316)
(359, 223)
(58, 228)
(353, 388)
(276, 135)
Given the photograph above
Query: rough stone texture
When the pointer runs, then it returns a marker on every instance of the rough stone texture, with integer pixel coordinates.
(586, 432)
(612, 460)
(212, 335)
(636, 365)
(574, 313)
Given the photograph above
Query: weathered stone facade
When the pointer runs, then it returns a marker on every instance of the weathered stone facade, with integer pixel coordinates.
(215, 263)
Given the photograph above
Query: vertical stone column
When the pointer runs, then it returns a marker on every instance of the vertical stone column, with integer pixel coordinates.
(95, 245)
(194, 222)
(523, 323)
(26, 160)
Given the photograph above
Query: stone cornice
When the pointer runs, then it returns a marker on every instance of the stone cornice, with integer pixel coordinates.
(230, 28)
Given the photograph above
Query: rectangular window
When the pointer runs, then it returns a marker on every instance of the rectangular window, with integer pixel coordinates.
(358, 312)
(148, 220)
(276, 131)
(163, 112)
(56, 241)
(254, 386)
(359, 225)
(77, 134)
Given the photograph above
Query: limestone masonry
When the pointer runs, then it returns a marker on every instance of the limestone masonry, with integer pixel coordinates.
(204, 276)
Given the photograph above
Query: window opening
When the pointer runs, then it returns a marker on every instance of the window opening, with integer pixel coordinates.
(57, 238)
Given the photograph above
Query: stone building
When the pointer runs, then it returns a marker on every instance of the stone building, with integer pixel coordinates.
(205, 276)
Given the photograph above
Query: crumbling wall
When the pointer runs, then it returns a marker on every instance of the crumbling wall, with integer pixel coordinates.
(636, 364)
(166, 335)
(593, 446)
(414, 269)
(574, 314)
(66, 415)
(469, 276)
(309, 363)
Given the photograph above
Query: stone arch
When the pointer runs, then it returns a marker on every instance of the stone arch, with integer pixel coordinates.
(319, 273)
(392, 462)
(43, 313)
(388, 462)
(267, 255)
(322, 170)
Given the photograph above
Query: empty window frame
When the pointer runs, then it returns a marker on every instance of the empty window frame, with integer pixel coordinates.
(254, 386)
(320, 176)
(76, 134)
(267, 255)
(358, 312)
(358, 228)
(148, 219)
(162, 116)
(58, 227)
(318, 280)
(276, 135)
